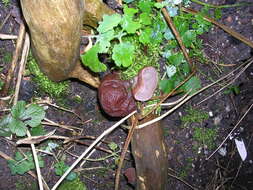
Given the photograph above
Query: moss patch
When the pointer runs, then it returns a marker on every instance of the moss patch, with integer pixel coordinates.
(53, 89)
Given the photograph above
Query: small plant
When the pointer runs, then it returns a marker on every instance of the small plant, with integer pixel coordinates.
(194, 116)
(205, 136)
(23, 163)
(234, 89)
(73, 185)
(61, 168)
(20, 118)
(6, 2)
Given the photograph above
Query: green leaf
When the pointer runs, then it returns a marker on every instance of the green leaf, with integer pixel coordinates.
(145, 35)
(113, 146)
(33, 115)
(145, 6)
(129, 25)
(18, 109)
(166, 85)
(189, 37)
(22, 164)
(37, 131)
(90, 59)
(123, 54)
(4, 129)
(129, 12)
(162, 4)
(109, 22)
(176, 59)
(145, 19)
(168, 35)
(104, 41)
(192, 84)
(61, 168)
(217, 13)
(17, 127)
(73, 185)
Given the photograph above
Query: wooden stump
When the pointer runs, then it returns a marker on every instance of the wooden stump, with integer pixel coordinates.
(149, 151)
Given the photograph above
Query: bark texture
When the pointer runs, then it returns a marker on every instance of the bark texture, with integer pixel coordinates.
(55, 29)
(150, 155)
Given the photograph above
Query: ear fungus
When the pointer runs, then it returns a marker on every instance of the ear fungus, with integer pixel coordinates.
(115, 96)
(145, 83)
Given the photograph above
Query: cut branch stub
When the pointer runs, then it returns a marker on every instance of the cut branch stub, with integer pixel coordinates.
(150, 155)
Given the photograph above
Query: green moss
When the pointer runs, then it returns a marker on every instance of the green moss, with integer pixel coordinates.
(205, 136)
(53, 89)
(144, 56)
(194, 116)
(73, 185)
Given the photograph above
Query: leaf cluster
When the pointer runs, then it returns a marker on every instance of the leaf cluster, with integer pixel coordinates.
(20, 118)
(23, 163)
(61, 168)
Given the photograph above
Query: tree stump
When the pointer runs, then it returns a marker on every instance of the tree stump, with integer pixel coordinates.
(150, 155)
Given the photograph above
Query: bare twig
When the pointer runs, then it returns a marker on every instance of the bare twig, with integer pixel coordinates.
(228, 84)
(21, 69)
(14, 60)
(5, 20)
(123, 153)
(8, 37)
(231, 132)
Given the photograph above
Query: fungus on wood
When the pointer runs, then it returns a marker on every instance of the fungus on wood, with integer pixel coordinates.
(148, 146)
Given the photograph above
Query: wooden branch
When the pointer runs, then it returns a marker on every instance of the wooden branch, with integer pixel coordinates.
(150, 155)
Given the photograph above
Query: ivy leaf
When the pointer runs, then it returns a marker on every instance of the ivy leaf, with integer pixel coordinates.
(4, 129)
(145, 35)
(123, 54)
(109, 22)
(33, 115)
(17, 127)
(90, 59)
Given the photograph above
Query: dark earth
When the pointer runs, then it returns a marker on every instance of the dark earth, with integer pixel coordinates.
(188, 164)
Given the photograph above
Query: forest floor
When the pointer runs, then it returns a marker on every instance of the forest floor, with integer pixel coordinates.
(192, 132)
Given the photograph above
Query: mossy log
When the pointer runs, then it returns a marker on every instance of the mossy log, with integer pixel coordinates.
(55, 29)
(150, 155)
